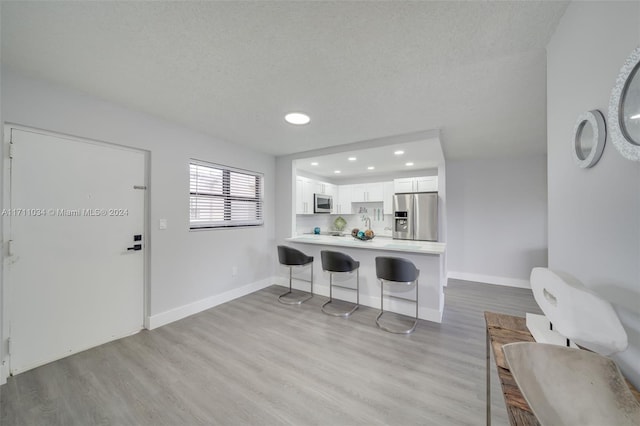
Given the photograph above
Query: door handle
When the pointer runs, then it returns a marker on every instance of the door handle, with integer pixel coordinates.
(135, 247)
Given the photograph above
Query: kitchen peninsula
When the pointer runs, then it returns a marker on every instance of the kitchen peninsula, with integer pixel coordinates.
(426, 255)
(372, 185)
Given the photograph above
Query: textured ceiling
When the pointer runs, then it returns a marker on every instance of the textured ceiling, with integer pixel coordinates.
(361, 70)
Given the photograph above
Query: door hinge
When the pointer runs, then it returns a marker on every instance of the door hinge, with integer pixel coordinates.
(12, 149)
(9, 351)
(10, 248)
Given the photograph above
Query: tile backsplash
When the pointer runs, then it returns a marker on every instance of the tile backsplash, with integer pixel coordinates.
(306, 222)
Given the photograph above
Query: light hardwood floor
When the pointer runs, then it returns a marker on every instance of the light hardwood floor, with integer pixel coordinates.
(254, 361)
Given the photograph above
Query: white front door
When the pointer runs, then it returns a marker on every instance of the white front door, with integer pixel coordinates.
(73, 282)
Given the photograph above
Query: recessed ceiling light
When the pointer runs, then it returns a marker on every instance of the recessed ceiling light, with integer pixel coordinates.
(315, 163)
(337, 171)
(398, 152)
(352, 158)
(409, 164)
(297, 118)
(370, 168)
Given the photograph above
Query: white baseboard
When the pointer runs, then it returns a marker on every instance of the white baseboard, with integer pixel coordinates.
(184, 311)
(490, 279)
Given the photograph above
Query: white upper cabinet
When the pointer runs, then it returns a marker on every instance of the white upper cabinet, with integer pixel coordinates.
(304, 195)
(379, 192)
(343, 195)
(375, 191)
(342, 203)
(324, 188)
(368, 192)
(358, 193)
(427, 184)
(331, 189)
(416, 184)
(305, 188)
(388, 193)
(403, 185)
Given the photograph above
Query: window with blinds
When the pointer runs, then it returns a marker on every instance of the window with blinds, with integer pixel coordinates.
(222, 196)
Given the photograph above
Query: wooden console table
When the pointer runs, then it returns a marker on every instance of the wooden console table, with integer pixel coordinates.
(503, 329)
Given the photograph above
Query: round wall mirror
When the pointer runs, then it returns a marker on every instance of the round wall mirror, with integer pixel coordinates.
(624, 108)
(584, 140)
(589, 137)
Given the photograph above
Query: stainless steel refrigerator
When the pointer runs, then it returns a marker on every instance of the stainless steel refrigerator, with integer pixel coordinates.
(416, 216)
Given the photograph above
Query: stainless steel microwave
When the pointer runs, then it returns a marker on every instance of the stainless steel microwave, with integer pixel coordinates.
(322, 203)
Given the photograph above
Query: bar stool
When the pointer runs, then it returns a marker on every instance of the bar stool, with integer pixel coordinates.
(398, 271)
(335, 263)
(291, 257)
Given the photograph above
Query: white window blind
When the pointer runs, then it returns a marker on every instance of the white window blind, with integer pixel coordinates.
(222, 196)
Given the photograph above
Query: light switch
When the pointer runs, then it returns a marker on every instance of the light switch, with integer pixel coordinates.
(162, 224)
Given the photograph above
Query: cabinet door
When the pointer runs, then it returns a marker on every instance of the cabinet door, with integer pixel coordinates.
(358, 193)
(403, 185)
(321, 188)
(307, 196)
(299, 196)
(343, 204)
(374, 192)
(388, 193)
(304, 196)
(427, 184)
(331, 189)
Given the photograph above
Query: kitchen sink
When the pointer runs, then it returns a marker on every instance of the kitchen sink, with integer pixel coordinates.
(336, 234)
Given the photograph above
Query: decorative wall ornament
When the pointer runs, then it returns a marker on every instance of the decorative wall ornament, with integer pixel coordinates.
(566, 386)
(578, 313)
(624, 108)
(589, 137)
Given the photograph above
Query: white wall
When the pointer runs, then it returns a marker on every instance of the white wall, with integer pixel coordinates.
(497, 219)
(185, 267)
(3, 348)
(594, 214)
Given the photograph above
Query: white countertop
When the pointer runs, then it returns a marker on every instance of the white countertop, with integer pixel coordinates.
(378, 243)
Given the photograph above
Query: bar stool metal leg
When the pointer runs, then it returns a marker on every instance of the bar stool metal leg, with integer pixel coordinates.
(295, 301)
(353, 309)
(391, 330)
